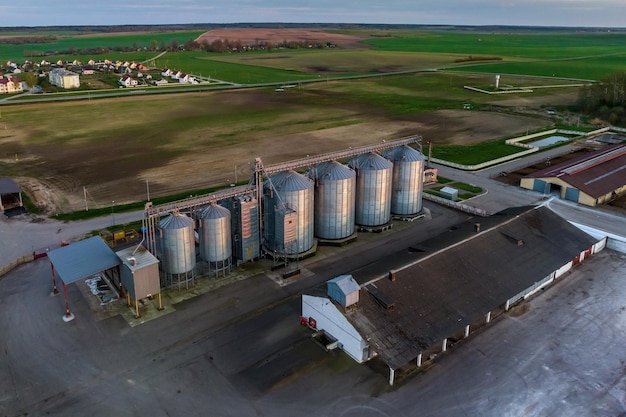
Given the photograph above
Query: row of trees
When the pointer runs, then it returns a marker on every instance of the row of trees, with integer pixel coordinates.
(217, 45)
(606, 99)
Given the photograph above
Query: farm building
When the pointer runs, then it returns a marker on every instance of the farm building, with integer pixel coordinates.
(63, 78)
(416, 311)
(596, 178)
(139, 274)
(10, 194)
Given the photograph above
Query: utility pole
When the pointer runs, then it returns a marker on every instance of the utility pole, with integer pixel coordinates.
(85, 197)
(148, 190)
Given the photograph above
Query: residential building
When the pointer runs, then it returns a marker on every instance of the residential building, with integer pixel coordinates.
(63, 78)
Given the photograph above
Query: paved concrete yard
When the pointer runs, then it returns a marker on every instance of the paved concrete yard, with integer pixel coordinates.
(239, 351)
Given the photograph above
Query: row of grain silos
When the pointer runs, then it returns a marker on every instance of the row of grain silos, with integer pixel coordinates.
(325, 203)
(226, 231)
(332, 198)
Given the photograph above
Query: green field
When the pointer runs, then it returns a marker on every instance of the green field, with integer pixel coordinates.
(584, 55)
(94, 41)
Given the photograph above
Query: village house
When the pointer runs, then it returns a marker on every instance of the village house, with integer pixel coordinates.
(128, 81)
(10, 85)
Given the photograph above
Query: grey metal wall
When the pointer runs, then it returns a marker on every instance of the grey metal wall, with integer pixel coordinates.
(245, 227)
(214, 230)
(373, 189)
(177, 241)
(291, 191)
(408, 181)
(335, 200)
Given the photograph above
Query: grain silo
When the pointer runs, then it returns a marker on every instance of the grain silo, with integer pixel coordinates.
(335, 187)
(408, 180)
(288, 213)
(373, 189)
(178, 250)
(214, 231)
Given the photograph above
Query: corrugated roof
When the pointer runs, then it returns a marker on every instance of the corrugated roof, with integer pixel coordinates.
(331, 171)
(371, 162)
(140, 254)
(440, 295)
(403, 153)
(288, 181)
(8, 186)
(214, 212)
(596, 174)
(345, 283)
(175, 221)
(82, 259)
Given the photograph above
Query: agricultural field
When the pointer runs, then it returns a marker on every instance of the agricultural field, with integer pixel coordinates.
(192, 141)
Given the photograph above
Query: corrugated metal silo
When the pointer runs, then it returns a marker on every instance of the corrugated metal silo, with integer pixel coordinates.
(177, 239)
(335, 188)
(215, 234)
(373, 189)
(285, 193)
(408, 180)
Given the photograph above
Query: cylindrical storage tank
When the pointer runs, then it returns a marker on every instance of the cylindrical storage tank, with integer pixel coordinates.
(373, 189)
(285, 192)
(335, 188)
(177, 239)
(408, 180)
(214, 230)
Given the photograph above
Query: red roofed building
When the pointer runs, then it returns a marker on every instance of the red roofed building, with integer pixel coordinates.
(10, 85)
(593, 179)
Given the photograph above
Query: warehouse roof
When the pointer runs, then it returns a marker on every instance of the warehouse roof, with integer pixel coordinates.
(8, 186)
(82, 259)
(596, 174)
(136, 257)
(439, 295)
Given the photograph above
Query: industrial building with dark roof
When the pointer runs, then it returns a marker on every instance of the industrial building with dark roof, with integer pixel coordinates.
(593, 179)
(416, 310)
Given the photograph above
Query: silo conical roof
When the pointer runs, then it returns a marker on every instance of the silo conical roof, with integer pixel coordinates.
(404, 153)
(288, 181)
(371, 162)
(214, 211)
(332, 171)
(175, 221)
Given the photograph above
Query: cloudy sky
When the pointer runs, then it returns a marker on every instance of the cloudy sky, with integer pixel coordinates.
(600, 13)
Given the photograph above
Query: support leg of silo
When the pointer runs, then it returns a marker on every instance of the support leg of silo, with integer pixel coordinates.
(160, 304)
(128, 299)
(136, 309)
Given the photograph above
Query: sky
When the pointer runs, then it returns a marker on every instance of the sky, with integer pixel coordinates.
(588, 13)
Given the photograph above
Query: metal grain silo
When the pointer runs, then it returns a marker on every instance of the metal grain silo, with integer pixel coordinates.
(373, 189)
(288, 213)
(335, 188)
(214, 231)
(177, 241)
(408, 180)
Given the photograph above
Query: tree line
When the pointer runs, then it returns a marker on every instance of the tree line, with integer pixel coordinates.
(606, 99)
